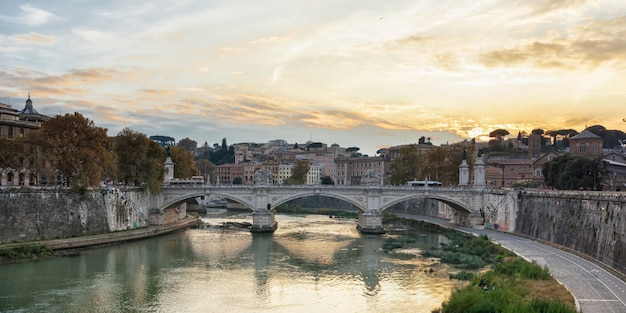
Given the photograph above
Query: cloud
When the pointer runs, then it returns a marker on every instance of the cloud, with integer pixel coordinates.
(29, 15)
(35, 38)
(73, 82)
(543, 7)
(590, 44)
(158, 92)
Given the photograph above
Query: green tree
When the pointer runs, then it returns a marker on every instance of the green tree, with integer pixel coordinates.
(406, 166)
(164, 141)
(184, 166)
(424, 140)
(572, 172)
(140, 160)
(299, 172)
(327, 180)
(83, 151)
(222, 154)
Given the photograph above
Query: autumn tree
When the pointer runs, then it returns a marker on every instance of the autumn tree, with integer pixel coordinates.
(140, 160)
(184, 166)
(406, 166)
(299, 172)
(9, 154)
(83, 151)
(206, 169)
(188, 144)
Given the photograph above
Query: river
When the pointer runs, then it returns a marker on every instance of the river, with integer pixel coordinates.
(312, 263)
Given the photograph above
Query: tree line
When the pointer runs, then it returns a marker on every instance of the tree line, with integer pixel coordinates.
(71, 150)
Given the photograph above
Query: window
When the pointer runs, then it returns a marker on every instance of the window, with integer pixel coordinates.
(10, 133)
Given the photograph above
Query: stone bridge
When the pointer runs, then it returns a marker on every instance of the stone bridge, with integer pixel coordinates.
(468, 204)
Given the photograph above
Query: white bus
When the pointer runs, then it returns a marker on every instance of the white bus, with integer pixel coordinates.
(423, 183)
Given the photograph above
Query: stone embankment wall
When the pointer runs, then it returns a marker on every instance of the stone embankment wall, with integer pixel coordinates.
(37, 214)
(593, 224)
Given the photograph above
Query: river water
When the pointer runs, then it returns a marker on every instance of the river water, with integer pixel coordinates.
(312, 263)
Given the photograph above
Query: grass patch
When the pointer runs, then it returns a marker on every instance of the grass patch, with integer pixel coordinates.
(511, 285)
(24, 252)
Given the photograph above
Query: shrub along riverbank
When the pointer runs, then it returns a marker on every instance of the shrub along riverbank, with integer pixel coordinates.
(498, 280)
(22, 252)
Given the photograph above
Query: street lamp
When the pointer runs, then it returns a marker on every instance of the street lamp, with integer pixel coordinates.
(502, 167)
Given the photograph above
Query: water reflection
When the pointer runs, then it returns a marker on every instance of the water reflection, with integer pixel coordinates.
(310, 264)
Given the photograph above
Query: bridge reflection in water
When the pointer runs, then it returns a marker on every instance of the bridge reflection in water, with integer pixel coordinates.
(310, 264)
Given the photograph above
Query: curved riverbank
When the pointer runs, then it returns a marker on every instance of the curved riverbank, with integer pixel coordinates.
(106, 238)
(595, 289)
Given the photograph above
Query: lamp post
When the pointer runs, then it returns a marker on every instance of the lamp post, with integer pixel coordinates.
(502, 167)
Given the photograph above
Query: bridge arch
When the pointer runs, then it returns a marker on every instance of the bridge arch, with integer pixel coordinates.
(453, 203)
(177, 200)
(292, 197)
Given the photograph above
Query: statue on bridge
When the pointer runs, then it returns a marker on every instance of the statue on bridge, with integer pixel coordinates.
(371, 178)
(263, 177)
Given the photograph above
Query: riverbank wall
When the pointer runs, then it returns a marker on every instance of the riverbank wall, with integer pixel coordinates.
(590, 223)
(40, 214)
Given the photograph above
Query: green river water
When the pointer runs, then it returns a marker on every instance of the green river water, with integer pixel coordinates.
(312, 263)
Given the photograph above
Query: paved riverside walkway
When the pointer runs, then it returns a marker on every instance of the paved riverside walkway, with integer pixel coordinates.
(595, 289)
(108, 238)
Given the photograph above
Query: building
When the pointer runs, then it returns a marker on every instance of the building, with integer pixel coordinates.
(35, 168)
(504, 173)
(586, 144)
(227, 173)
(351, 170)
(16, 124)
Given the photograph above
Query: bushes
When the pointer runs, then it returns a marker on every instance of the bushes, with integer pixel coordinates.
(518, 266)
(24, 252)
(504, 289)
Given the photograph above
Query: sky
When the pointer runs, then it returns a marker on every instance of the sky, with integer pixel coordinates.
(358, 73)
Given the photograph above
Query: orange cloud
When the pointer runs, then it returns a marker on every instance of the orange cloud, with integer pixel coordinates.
(35, 38)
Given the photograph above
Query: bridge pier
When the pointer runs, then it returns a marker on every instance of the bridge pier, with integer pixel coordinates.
(370, 222)
(263, 221)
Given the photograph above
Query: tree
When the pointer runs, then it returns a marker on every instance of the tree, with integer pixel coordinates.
(327, 180)
(499, 133)
(299, 172)
(188, 144)
(184, 166)
(10, 152)
(164, 141)
(83, 151)
(571, 172)
(222, 154)
(611, 139)
(406, 166)
(206, 169)
(139, 160)
(314, 145)
(424, 140)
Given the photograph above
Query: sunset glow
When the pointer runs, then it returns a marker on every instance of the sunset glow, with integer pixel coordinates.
(357, 73)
